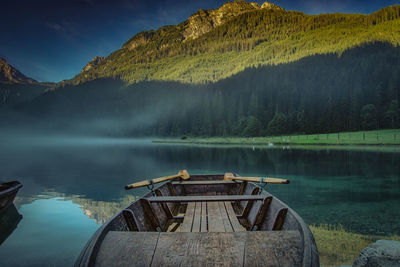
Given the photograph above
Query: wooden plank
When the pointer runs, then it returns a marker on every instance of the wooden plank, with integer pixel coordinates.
(204, 221)
(206, 198)
(150, 214)
(280, 219)
(266, 248)
(188, 219)
(198, 249)
(237, 227)
(197, 218)
(225, 219)
(130, 219)
(273, 248)
(249, 204)
(174, 207)
(215, 223)
(127, 249)
(242, 187)
(164, 205)
(203, 182)
(259, 220)
(171, 189)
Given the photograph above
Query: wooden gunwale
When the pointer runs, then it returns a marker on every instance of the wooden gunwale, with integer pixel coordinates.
(310, 253)
(9, 192)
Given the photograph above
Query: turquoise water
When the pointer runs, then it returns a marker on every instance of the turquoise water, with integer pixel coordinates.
(72, 187)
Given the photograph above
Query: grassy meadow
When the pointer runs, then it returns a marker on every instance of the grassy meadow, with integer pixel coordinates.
(375, 137)
(336, 246)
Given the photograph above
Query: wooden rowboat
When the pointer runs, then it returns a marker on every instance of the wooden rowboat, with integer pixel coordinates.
(8, 191)
(207, 220)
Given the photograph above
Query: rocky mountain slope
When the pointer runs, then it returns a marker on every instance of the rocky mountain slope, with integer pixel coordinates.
(9, 74)
(16, 88)
(215, 44)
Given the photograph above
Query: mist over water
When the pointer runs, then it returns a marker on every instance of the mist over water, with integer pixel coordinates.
(73, 184)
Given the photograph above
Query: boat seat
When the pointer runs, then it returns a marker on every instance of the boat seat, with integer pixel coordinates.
(210, 217)
(218, 182)
(211, 198)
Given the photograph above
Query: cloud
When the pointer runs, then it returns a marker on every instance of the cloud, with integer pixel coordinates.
(66, 29)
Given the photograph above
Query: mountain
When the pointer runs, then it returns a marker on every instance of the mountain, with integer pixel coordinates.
(16, 88)
(9, 74)
(317, 94)
(215, 44)
(239, 70)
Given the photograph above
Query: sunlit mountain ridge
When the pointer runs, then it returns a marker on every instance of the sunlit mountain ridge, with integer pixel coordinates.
(215, 44)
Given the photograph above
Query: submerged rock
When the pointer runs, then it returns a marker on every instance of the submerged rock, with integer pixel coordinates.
(381, 253)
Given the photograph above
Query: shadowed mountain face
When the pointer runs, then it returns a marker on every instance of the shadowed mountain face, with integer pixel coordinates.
(215, 44)
(242, 69)
(9, 74)
(323, 93)
(16, 88)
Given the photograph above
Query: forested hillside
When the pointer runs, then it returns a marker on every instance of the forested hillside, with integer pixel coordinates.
(216, 44)
(360, 89)
(239, 70)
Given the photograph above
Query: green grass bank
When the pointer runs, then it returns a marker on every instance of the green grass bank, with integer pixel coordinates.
(375, 137)
(338, 247)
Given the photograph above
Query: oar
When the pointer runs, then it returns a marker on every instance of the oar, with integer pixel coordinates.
(181, 174)
(267, 180)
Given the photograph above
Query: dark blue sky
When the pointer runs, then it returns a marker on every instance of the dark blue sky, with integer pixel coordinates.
(53, 40)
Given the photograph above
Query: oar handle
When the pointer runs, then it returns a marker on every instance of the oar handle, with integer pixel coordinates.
(268, 180)
(181, 174)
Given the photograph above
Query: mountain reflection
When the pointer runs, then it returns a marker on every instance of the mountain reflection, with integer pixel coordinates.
(100, 211)
(70, 190)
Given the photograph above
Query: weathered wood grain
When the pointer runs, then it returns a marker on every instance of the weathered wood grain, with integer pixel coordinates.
(127, 249)
(215, 222)
(149, 212)
(196, 227)
(225, 219)
(198, 249)
(203, 182)
(164, 205)
(242, 187)
(130, 219)
(273, 248)
(280, 219)
(262, 211)
(188, 219)
(204, 220)
(307, 257)
(250, 203)
(237, 227)
(205, 198)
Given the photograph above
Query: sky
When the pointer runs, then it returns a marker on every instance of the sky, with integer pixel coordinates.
(52, 40)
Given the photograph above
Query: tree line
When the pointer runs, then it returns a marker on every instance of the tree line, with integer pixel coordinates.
(360, 89)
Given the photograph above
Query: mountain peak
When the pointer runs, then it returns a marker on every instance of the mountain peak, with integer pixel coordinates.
(268, 5)
(93, 63)
(201, 22)
(9, 74)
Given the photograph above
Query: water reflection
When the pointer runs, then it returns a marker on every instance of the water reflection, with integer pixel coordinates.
(52, 233)
(9, 219)
(99, 211)
(69, 190)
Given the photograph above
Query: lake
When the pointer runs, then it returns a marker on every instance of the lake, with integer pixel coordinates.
(350, 196)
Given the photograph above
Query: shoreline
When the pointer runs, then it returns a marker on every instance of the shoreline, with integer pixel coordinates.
(387, 137)
(203, 142)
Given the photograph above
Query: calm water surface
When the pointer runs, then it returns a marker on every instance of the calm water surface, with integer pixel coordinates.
(73, 186)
